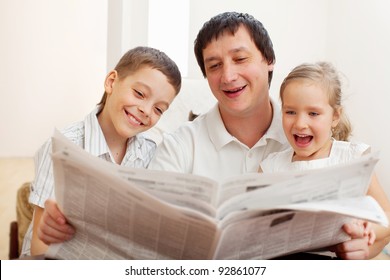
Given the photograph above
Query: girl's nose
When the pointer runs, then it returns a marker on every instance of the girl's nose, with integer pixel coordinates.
(300, 122)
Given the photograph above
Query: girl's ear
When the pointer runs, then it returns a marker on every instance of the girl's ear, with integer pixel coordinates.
(336, 116)
(109, 81)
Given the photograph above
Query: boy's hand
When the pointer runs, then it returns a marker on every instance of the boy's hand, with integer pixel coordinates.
(53, 227)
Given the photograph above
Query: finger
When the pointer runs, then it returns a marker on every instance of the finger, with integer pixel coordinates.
(352, 249)
(55, 213)
(356, 255)
(49, 226)
(48, 238)
(371, 238)
(51, 232)
(355, 230)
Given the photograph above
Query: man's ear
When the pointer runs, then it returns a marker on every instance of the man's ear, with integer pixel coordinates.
(109, 81)
(271, 67)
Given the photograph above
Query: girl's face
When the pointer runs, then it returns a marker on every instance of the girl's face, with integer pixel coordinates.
(308, 119)
(136, 102)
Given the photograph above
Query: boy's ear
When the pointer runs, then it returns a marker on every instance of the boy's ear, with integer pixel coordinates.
(109, 81)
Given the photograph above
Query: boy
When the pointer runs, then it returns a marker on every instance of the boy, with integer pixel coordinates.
(137, 92)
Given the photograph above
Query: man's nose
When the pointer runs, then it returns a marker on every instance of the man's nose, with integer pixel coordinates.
(229, 74)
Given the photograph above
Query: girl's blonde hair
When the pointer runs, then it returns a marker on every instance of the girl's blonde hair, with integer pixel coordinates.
(325, 74)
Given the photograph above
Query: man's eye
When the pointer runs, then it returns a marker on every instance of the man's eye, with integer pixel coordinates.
(241, 59)
(214, 66)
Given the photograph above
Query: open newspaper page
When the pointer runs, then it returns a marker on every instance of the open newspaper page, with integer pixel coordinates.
(282, 230)
(303, 213)
(116, 220)
(130, 213)
(330, 183)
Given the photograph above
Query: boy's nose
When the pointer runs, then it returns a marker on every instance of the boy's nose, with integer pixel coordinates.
(145, 110)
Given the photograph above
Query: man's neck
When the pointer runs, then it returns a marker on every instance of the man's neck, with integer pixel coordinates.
(249, 129)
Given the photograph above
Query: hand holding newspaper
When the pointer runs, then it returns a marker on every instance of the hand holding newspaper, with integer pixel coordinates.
(127, 213)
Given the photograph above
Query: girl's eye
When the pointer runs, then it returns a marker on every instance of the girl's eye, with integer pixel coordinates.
(313, 114)
(290, 113)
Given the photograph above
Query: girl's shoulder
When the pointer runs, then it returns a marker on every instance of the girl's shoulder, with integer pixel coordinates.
(349, 150)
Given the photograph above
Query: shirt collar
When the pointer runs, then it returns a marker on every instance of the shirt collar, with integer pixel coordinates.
(216, 128)
(94, 142)
(221, 137)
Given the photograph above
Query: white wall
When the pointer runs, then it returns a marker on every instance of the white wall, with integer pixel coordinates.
(53, 64)
(53, 60)
(359, 33)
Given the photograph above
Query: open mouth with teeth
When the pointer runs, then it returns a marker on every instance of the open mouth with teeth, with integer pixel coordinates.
(132, 119)
(302, 139)
(234, 92)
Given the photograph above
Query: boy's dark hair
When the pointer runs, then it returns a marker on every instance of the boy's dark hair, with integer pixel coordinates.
(230, 22)
(139, 57)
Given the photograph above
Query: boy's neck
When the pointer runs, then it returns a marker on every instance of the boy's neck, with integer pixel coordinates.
(116, 144)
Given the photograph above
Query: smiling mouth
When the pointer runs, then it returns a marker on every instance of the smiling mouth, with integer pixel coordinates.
(233, 91)
(302, 139)
(133, 119)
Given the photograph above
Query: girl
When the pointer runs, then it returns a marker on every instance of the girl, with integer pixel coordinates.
(318, 131)
(137, 92)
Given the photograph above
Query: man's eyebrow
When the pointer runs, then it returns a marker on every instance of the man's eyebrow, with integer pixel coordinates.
(232, 51)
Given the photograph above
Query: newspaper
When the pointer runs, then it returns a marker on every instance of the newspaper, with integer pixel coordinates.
(128, 213)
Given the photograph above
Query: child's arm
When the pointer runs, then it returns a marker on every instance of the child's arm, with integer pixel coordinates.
(49, 226)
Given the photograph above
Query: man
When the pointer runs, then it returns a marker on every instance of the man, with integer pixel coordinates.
(236, 56)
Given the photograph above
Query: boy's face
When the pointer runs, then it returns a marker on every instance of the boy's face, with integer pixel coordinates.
(237, 73)
(136, 102)
(308, 119)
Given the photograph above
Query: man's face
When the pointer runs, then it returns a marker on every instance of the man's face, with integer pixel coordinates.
(237, 73)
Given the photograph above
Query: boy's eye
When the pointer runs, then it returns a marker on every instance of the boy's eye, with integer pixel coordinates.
(138, 93)
(290, 113)
(159, 110)
(313, 114)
